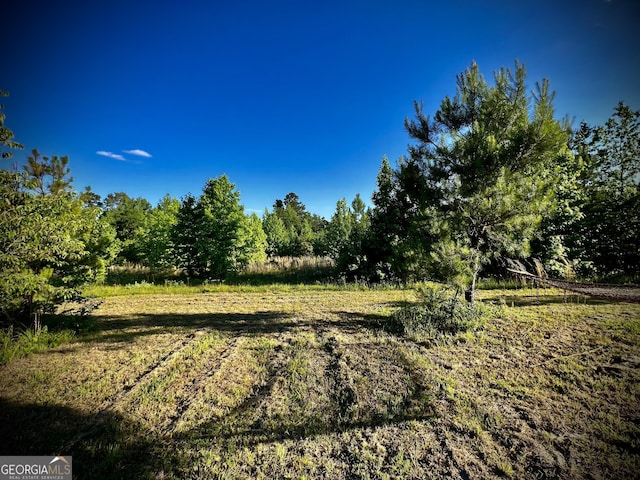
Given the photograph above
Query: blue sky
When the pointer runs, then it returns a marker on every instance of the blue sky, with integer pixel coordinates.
(302, 96)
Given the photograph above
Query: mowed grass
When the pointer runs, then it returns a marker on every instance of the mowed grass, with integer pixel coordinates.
(314, 382)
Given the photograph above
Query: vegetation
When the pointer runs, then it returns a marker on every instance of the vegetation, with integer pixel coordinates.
(7, 141)
(50, 244)
(289, 346)
(594, 230)
(438, 313)
(311, 382)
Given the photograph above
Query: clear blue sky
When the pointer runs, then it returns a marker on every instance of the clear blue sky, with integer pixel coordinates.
(302, 96)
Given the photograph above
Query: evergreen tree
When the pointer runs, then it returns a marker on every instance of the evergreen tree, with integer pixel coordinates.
(50, 244)
(484, 172)
(388, 229)
(184, 237)
(6, 135)
(39, 169)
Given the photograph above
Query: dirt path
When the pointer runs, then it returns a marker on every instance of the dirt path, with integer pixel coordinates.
(619, 293)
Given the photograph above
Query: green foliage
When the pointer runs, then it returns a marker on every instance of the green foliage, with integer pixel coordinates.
(6, 135)
(185, 234)
(212, 236)
(38, 168)
(479, 178)
(276, 233)
(255, 241)
(128, 216)
(386, 227)
(221, 228)
(297, 232)
(594, 230)
(438, 313)
(49, 246)
(15, 345)
(346, 235)
(611, 224)
(154, 237)
(339, 229)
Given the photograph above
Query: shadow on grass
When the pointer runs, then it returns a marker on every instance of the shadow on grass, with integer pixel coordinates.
(111, 446)
(536, 300)
(108, 444)
(114, 329)
(125, 328)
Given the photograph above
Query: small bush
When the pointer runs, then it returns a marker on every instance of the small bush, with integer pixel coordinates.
(438, 313)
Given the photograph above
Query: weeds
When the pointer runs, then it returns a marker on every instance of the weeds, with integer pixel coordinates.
(19, 344)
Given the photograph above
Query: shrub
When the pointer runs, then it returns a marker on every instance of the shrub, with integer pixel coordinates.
(438, 313)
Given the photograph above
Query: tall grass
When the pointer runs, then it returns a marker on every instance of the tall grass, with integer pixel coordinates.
(291, 270)
(16, 344)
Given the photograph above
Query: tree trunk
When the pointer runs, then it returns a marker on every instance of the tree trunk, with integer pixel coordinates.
(470, 292)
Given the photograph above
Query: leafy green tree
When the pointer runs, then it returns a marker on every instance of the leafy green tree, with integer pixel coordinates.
(556, 241)
(604, 239)
(212, 236)
(128, 216)
(339, 229)
(185, 236)
(50, 244)
(350, 259)
(485, 161)
(6, 135)
(619, 152)
(276, 232)
(299, 225)
(221, 227)
(255, 241)
(155, 235)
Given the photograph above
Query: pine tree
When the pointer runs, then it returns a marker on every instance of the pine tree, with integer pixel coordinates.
(6, 135)
(485, 167)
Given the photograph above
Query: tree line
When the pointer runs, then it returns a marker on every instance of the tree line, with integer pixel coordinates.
(492, 174)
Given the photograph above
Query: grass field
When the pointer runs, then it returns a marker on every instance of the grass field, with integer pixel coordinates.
(314, 382)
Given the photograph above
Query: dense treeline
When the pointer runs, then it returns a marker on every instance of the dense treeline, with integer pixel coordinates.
(490, 175)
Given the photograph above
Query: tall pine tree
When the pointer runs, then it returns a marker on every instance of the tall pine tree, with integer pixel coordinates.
(484, 164)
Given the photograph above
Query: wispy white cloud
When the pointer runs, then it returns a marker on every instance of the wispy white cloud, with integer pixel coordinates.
(138, 152)
(110, 155)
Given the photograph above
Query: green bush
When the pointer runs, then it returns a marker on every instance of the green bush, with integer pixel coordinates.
(16, 345)
(438, 313)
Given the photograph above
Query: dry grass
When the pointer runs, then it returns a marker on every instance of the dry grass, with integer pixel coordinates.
(314, 383)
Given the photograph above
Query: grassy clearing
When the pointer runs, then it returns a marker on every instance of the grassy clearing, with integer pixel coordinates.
(314, 382)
